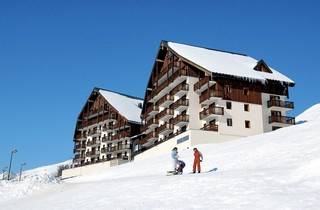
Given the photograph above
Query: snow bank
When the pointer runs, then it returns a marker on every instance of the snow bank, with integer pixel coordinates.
(31, 180)
(311, 114)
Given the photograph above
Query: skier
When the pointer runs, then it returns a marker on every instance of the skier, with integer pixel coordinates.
(174, 156)
(197, 159)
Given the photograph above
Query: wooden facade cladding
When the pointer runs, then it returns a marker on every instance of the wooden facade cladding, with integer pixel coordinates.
(164, 73)
(239, 91)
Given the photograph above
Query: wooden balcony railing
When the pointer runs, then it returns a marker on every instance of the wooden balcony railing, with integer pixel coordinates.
(180, 102)
(107, 127)
(207, 94)
(106, 138)
(177, 74)
(92, 153)
(151, 135)
(152, 121)
(282, 119)
(180, 118)
(165, 112)
(165, 69)
(210, 127)
(152, 109)
(211, 111)
(201, 82)
(281, 103)
(93, 143)
(180, 87)
(166, 126)
(120, 135)
(165, 98)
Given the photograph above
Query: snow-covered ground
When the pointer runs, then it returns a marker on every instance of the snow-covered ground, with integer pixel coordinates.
(277, 170)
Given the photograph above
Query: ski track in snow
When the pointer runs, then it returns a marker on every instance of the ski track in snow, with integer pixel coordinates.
(277, 170)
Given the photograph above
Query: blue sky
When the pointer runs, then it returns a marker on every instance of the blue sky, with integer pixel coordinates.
(53, 52)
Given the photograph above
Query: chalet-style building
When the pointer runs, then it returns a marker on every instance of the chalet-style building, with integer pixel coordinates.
(204, 95)
(105, 127)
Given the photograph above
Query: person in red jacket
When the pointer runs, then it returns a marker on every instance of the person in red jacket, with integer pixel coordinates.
(197, 159)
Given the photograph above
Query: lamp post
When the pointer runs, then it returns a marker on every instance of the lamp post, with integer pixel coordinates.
(9, 172)
(4, 171)
(21, 166)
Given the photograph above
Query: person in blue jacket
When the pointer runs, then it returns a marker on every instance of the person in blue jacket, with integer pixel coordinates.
(174, 156)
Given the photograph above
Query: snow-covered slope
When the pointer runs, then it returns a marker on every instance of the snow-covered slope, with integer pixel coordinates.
(277, 170)
(37, 179)
(311, 114)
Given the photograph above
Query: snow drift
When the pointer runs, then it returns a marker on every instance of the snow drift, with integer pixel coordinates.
(32, 180)
(276, 170)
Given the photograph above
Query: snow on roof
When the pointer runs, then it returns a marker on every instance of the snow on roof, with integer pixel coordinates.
(225, 62)
(126, 105)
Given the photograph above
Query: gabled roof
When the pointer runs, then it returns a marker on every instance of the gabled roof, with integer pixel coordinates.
(127, 106)
(226, 63)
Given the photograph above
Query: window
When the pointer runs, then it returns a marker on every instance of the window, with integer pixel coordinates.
(246, 107)
(229, 122)
(229, 105)
(247, 124)
(246, 91)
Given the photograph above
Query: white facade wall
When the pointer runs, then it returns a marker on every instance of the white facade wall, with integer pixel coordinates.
(184, 141)
(194, 105)
(239, 116)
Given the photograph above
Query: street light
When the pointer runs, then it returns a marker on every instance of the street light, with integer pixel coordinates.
(21, 166)
(9, 172)
(4, 171)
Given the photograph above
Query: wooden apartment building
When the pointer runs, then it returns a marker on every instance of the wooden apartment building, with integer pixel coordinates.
(222, 93)
(105, 128)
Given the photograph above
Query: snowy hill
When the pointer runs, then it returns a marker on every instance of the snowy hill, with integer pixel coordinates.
(32, 180)
(277, 170)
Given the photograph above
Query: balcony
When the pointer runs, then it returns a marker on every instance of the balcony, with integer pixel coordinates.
(181, 120)
(165, 128)
(211, 112)
(112, 117)
(152, 111)
(78, 148)
(108, 128)
(280, 104)
(203, 84)
(107, 149)
(281, 120)
(152, 123)
(93, 143)
(150, 137)
(123, 147)
(177, 77)
(210, 127)
(121, 136)
(79, 157)
(209, 96)
(166, 100)
(93, 154)
(181, 104)
(165, 114)
(180, 90)
(106, 139)
(96, 132)
(159, 91)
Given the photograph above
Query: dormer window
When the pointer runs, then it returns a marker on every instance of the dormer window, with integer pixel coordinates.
(262, 66)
